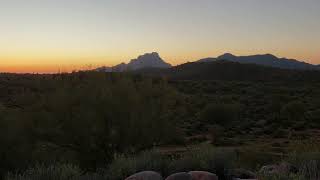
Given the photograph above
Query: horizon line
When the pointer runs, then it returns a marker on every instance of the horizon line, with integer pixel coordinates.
(69, 68)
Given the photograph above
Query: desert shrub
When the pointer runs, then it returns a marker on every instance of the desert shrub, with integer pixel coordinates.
(292, 112)
(84, 118)
(306, 157)
(281, 177)
(87, 117)
(308, 164)
(310, 168)
(254, 159)
(52, 172)
(314, 117)
(277, 102)
(220, 114)
(98, 114)
(124, 166)
(279, 133)
(216, 133)
(90, 176)
(206, 158)
(15, 140)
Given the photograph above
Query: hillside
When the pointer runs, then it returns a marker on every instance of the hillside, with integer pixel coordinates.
(232, 71)
(268, 60)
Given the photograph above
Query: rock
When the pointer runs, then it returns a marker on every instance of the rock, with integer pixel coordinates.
(202, 175)
(180, 176)
(282, 168)
(242, 174)
(145, 175)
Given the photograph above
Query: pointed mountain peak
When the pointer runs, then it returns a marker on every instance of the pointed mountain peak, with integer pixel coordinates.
(154, 54)
(271, 56)
(227, 56)
(148, 60)
(149, 56)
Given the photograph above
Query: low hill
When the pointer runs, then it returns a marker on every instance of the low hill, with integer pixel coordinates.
(265, 60)
(226, 70)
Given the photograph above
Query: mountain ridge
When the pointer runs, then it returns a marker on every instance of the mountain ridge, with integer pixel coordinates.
(269, 60)
(147, 60)
(153, 60)
(231, 71)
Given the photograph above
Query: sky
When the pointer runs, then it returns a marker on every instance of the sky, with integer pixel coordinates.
(64, 35)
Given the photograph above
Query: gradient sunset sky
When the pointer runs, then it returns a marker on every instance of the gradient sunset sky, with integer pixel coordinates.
(53, 35)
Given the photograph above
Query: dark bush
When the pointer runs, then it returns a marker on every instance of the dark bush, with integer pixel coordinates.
(220, 114)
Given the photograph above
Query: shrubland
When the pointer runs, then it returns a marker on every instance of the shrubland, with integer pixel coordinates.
(104, 125)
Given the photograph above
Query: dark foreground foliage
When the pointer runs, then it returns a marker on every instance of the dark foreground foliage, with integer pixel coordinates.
(220, 161)
(83, 118)
(88, 121)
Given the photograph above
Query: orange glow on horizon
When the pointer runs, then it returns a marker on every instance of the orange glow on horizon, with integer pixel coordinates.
(64, 62)
(51, 65)
(50, 69)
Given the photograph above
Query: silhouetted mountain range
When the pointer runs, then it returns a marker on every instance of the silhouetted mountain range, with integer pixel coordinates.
(153, 60)
(148, 60)
(232, 71)
(268, 60)
(225, 67)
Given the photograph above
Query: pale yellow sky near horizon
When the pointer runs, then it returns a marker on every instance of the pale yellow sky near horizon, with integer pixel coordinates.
(56, 35)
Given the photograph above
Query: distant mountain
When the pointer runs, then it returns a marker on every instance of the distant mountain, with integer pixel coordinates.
(231, 71)
(148, 60)
(154, 61)
(207, 60)
(117, 68)
(265, 60)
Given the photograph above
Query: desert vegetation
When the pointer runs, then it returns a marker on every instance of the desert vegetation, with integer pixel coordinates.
(93, 125)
